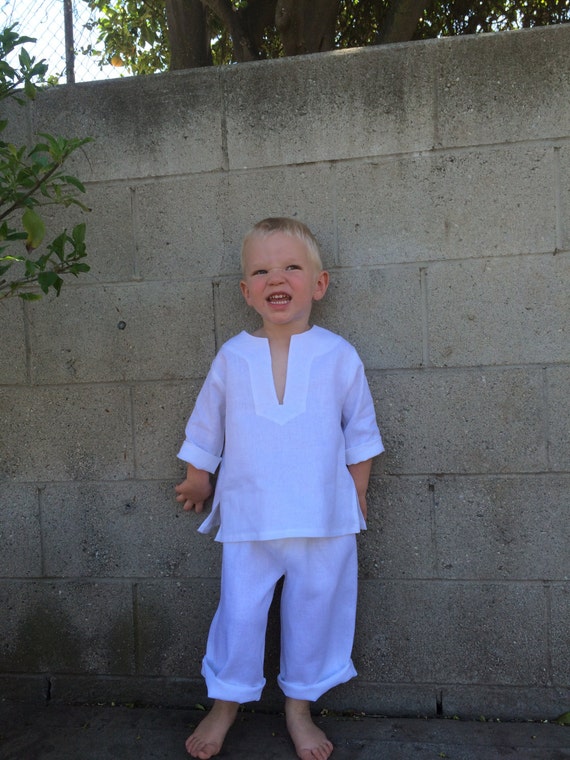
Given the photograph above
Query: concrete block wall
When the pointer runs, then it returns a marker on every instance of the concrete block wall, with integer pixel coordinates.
(437, 178)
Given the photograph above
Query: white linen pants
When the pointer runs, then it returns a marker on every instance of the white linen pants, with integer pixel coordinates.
(318, 610)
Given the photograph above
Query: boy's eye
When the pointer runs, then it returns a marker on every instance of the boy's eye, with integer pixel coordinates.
(292, 266)
(259, 271)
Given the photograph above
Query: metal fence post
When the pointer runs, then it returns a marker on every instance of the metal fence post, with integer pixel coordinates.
(69, 51)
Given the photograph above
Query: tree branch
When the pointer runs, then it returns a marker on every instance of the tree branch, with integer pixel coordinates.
(243, 47)
(402, 20)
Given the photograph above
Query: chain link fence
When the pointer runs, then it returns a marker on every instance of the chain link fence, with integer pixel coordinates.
(51, 22)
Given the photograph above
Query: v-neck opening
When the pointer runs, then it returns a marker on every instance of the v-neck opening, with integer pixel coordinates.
(265, 395)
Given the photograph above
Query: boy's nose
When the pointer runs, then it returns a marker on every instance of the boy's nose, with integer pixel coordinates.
(277, 273)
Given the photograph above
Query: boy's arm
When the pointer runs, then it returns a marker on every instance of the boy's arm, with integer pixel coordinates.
(361, 475)
(194, 491)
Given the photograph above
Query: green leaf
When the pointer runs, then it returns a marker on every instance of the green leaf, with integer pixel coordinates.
(47, 280)
(78, 233)
(73, 181)
(35, 227)
(29, 296)
(30, 89)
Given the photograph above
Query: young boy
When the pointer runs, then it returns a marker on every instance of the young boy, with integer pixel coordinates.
(287, 414)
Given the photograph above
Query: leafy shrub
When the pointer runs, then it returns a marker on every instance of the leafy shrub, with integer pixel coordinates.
(32, 178)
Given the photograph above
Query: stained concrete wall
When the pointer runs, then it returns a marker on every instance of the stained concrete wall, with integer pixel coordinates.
(437, 177)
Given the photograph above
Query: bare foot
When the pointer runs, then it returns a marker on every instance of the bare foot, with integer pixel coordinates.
(207, 739)
(310, 742)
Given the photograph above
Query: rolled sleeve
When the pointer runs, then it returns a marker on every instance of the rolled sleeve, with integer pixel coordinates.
(196, 456)
(204, 440)
(364, 451)
(362, 437)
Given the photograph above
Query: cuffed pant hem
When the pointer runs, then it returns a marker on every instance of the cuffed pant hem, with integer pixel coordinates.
(230, 692)
(312, 692)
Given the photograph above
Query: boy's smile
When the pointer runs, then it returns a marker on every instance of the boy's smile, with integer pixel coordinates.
(281, 282)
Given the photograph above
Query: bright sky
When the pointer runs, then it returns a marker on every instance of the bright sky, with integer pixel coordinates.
(43, 19)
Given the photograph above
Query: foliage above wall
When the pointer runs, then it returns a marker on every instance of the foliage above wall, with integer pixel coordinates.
(147, 36)
(32, 178)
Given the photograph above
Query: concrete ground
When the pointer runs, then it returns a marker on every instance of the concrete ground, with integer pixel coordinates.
(59, 732)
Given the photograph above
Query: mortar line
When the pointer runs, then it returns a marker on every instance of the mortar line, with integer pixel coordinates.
(433, 528)
(39, 491)
(559, 233)
(224, 125)
(135, 613)
(135, 475)
(425, 316)
(134, 228)
(334, 183)
(546, 416)
(27, 342)
(548, 602)
(215, 292)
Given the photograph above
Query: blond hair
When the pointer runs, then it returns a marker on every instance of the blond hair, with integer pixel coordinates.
(287, 226)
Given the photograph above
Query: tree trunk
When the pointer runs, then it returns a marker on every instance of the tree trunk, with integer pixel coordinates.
(402, 20)
(188, 34)
(242, 45)
(306, 26)
(256, 17)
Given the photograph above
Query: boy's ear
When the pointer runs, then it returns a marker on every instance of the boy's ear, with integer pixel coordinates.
(244, 291)
(321, 286)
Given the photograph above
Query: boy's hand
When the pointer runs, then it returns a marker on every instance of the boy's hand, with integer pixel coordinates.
(363, 506)
(193, 492)
(361, 475)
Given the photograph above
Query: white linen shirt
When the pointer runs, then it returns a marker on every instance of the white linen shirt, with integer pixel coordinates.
(283, 467)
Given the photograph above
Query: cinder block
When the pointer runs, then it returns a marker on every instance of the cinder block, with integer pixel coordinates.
(560, 643)
(109, 231)
(459, 633)
(562, 156)
(503, 528)
(122, 530)
(558, 382)
(453, 421)
(125, 690)
(504, 702)
(161, 411)
(499, 311)
(13, 363)
(19, 118)
(338, 105)
(446, 205)
(142, 331)
(67, 433)
(391, 333)
(484, 97)
(141, 126)
(20, 538)
(173, 619)
(380, 698)
(304, 192)
(66, 627)
(398, 543)
(31, 690)
(178, 227)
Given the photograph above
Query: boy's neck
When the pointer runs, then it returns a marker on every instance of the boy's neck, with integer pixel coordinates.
(280, 333)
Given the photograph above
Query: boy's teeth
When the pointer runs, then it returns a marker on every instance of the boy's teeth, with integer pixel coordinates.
(278, 299)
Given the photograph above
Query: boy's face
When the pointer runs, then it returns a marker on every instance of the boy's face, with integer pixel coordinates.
(281, 282)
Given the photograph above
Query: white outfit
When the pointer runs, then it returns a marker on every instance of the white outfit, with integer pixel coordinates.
(285, 505)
